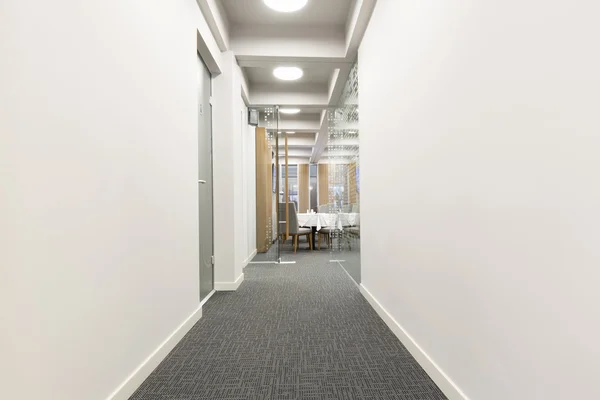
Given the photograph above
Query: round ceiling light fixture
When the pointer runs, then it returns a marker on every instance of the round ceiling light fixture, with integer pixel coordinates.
(288, 73)
(289, 110)
(286, 6)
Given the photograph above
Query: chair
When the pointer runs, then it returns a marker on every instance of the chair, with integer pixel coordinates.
(294, 228)
(327, 233)
(355, 208)
(347, 208)
(354, 231)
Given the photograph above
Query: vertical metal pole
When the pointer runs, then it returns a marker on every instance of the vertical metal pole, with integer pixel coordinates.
(277, 182)
(287, 194)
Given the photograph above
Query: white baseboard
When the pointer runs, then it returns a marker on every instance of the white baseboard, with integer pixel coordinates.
(208, 296)
(142, 372)
(250, 257)
(229, 286)
(445, 384)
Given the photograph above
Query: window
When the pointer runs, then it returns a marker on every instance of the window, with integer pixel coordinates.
(292, 182)
(313, 187)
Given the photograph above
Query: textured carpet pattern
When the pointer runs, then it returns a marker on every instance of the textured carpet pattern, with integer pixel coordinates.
(296, 331)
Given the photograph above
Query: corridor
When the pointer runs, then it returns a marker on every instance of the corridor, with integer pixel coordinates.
(295, 331)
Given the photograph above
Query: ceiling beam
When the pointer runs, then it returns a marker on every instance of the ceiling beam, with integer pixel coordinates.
(337, 85)
(265, 41)
(321, 139)
(298, 125)
(302, 100)
(357, 25)
(217, 21)
(271, 62)
(207, 56)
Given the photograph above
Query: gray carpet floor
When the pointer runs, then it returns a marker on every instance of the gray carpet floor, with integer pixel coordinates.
(294, 331)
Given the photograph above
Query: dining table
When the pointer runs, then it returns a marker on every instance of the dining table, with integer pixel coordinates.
(316, 221)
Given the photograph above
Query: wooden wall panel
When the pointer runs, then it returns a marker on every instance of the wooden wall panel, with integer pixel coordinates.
(264, 194)
(303, 188)
(323, 184)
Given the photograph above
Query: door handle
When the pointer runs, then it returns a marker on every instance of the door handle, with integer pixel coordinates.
(201, 181)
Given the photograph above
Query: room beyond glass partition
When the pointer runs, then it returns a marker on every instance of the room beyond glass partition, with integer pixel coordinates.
(267, 180)
(278, 193)
(292, 185)
(344, 179)
(313, 187)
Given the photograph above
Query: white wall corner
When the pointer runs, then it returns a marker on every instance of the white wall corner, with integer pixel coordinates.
(249, 258)
(229, 286)
(446, 385)
(137, 377)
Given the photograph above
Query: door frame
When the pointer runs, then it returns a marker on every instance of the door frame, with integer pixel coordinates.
(212, 75)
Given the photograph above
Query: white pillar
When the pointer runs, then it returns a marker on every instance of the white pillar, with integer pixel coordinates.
(227, 170)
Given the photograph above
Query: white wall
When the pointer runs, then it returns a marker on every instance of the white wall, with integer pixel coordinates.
(228, 148)
(225, 151)
(490, 113)
(99, 200)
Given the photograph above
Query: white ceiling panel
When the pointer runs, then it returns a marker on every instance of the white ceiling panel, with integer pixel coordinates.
(320, 75)
(316, 13)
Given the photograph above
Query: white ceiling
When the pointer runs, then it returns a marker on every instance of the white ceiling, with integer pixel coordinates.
(316, 12)
(322, 39)
(318, 75)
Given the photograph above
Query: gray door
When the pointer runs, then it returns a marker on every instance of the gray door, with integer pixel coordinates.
(205, 183)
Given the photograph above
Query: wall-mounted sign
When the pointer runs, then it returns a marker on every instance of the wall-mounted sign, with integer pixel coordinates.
(253, 117)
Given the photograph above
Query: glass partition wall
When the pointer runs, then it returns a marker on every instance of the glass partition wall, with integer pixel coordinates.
(288, 201)
(344, 178)
(282, 184)
(313, 187)
(266, 154)
(292, 170)
(330, 188)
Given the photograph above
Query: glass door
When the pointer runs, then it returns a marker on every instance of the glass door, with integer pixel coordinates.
(267, 186)
(344, 179)
(205, 181)
(270, 156)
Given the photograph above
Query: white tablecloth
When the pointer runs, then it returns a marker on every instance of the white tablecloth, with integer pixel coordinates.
(329, 220)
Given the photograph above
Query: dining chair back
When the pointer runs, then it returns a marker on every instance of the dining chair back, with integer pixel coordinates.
(293, 219)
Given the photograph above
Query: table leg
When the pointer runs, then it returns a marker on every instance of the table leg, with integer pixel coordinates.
(314, 236)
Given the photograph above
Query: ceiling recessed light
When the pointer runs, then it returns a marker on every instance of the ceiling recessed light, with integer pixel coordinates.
(290, 133)
(285, 5)
(288, 73)
(289, 110)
